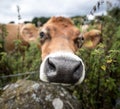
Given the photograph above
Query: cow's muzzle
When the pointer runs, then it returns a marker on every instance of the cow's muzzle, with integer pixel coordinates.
(62, 67)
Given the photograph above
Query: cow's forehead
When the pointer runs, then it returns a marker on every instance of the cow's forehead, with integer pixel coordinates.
(60, 21)
(61, 25)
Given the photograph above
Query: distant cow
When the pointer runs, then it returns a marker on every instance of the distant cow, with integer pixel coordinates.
(59, 40)
(25, 32)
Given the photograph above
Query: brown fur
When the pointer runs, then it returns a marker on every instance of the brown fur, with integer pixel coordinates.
(25, 32)
(62, 34)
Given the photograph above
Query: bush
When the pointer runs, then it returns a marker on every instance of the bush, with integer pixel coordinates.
(100, 88)
(20, 62)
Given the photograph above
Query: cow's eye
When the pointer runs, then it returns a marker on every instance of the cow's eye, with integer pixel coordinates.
(42, 35)
(79, 41)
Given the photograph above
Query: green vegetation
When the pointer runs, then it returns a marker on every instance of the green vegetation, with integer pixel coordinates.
(42, 20)
(19, 62)
(100, 88)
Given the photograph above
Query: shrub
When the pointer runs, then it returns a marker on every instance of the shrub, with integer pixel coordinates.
(100, 87)
(20, 62)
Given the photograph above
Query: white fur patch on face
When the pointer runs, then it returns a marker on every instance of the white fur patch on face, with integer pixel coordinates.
(67, 55)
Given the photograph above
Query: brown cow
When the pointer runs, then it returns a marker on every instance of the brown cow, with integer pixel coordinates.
(25, 32)
(60, 39)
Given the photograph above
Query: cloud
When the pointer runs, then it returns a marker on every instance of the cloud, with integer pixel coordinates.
(37, 8)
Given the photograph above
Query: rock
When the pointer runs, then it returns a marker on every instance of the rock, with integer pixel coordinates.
(27, 94)
(117, 105)
(57, 103)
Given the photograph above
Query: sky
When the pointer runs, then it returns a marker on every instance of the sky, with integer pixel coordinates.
(47, 8)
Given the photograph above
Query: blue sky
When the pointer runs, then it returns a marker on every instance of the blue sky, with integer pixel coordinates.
(37, 8)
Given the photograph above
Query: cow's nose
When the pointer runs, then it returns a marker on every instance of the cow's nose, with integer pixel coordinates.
(63, 70)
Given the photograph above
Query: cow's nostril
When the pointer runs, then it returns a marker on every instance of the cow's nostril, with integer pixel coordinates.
(51, 65)
(76, 72)
(50, 69)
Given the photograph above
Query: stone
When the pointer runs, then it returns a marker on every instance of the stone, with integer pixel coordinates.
(27, 94)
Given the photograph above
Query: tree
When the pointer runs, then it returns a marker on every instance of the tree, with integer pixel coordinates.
(41, 19)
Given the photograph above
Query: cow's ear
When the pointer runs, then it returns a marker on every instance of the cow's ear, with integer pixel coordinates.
(29, 33)
(92, 38)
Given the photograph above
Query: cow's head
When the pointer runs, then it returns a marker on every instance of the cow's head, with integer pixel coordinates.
(59, 40)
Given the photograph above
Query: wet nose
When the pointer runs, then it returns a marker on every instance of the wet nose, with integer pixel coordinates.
(63, 70)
